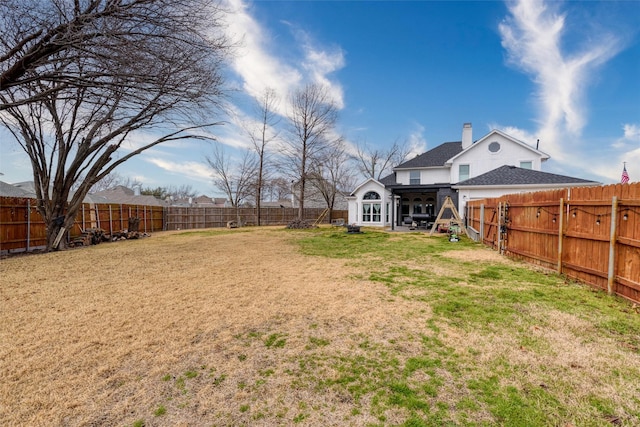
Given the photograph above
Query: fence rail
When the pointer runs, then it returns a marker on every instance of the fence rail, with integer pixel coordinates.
(23, 229)
(588, 233)
(182, 218)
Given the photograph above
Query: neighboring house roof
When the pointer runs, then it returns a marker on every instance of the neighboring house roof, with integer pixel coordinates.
(27, 189)
(9, 190)
(126, 196)
(200, 201)
(512, 175)
(94, 198)
(436, 157)
(27, 186)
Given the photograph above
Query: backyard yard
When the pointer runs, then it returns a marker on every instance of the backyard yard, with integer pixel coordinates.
(268, 327)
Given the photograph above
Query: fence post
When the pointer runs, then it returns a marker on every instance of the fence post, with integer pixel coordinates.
(98, 215)
(612, 246)
(28, 224)
(482, 223)
(110, 221)
(498, 227)
(560, 235)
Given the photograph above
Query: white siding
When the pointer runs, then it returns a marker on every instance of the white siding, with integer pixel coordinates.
(481, 160)
(356, 201)
(427, 176)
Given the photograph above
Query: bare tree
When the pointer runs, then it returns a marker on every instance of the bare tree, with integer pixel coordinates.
(234, 179)
(376, 162)
(277, 189)
(110, 181)
(176, 192)
(313, 116)
(333, 176)
(79, 78)
(261, 134)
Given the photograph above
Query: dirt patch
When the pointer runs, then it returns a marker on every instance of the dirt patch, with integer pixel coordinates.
(480, 254)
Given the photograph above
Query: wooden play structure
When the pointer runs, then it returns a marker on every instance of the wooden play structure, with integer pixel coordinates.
(448, 223)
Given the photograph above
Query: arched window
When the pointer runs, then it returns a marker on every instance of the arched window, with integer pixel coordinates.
(371, 195)
(371, 212)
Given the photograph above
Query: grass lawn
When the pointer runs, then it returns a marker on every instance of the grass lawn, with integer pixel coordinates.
(269, 327)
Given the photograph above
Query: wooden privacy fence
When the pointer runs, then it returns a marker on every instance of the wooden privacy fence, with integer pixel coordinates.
(23, 229)
(588, 233)
(183, 218)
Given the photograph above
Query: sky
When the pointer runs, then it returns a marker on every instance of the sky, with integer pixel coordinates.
(566, 73)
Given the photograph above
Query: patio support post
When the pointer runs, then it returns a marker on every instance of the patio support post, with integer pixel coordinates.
(393, 209)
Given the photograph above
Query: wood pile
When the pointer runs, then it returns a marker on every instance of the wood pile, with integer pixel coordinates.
(299, 224)
(94, 236)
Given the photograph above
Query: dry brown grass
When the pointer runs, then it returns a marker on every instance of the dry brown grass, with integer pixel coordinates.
(240, 328)
(87, 335)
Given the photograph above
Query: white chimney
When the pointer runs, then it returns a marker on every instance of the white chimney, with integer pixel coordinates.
(467, 136)
(136, 190)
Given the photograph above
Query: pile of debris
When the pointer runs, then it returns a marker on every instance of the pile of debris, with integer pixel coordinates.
(93, 236)
(300, 224)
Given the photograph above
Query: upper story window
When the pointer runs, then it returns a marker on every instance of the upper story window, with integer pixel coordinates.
(463, 173)
(494, 147)
(371, 195)
(414, 177)
(526, 165)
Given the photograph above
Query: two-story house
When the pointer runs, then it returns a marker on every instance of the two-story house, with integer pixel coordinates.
(494, 165)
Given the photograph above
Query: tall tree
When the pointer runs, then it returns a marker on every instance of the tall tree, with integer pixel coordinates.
(262, 132)
(233, 178)
(376, 162)
(333, 176)
(277, 189)
(79, 78)
(313, 117)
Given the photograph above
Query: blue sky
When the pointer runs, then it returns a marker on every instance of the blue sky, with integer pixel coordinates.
(567, 73)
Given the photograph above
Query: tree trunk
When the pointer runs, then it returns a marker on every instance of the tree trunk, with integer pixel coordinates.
(58, 226)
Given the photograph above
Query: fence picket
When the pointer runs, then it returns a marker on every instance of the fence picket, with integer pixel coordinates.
(587, 233)
(22, 228)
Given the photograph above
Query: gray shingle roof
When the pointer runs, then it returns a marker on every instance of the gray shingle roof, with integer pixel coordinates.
(512, 175)
(388, 180)
(437, 156)
(124, 195)
(8, 190)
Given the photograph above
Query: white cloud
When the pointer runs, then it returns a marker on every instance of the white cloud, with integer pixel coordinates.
(519, 134)
(417, 142)
(260, 66)
(632, 132)
(532, 36)
(190, 169)
(320, 62)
